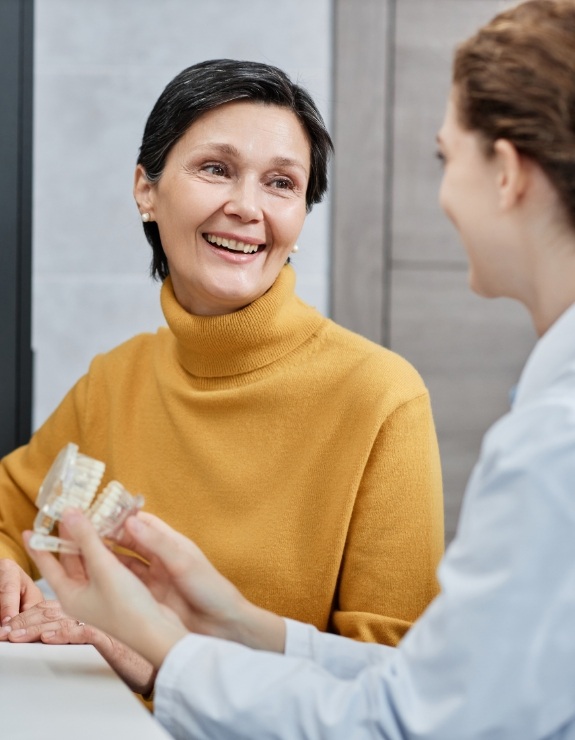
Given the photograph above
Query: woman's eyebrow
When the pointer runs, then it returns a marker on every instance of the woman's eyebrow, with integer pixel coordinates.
(288, 162)
(228, 149)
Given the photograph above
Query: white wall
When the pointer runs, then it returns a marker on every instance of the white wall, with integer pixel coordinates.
(99, 67)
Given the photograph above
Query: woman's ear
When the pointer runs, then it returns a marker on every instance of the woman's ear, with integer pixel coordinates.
(512, 173)
(143, 191)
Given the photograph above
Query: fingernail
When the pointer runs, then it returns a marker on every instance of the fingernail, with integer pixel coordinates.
(134, 525)
(47, 635)
(6, 620)
(72, 516)
(18, 633)
(5, 630)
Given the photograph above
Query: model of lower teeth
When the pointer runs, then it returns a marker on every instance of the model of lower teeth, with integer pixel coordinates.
(72, 481)
(112, 507)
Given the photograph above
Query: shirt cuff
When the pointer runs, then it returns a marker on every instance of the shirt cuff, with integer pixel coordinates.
(299, 641)
(341, 656)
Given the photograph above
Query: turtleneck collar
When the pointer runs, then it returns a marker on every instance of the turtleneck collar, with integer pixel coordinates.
(243, 341)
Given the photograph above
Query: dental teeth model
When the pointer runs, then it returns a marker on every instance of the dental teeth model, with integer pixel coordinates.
(112, 507)
(72, 481)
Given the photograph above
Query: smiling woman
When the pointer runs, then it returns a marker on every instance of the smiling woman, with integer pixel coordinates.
(300, 456)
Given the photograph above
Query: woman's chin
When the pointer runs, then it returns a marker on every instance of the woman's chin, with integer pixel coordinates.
(220, 300)
(482, 288)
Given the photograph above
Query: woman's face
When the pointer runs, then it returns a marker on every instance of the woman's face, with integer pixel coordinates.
(469, 196)
(230, 204)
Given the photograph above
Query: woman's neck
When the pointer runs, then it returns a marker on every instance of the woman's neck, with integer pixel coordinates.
(553, 279)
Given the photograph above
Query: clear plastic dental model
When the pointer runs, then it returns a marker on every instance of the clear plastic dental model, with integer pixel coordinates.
(72, 481)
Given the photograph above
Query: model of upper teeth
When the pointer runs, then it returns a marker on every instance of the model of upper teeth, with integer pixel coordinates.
(72, 481)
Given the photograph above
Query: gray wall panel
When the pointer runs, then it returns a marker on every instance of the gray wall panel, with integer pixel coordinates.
(426, 35)
(469, 351)
(361, 133)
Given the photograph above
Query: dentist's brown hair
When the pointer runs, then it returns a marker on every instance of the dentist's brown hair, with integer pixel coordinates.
(515, 79)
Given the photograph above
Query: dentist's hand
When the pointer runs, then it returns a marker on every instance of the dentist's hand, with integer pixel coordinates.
(97, 589)
(180, 576)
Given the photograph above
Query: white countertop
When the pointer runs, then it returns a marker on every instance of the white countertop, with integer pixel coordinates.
(67, 692)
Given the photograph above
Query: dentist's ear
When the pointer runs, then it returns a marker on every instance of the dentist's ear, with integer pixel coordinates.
(512, 173)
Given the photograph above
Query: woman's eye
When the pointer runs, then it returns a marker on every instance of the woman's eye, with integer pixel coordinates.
(215, 169)
(283, 183)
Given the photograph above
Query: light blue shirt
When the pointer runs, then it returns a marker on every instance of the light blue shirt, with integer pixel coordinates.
(494, 654)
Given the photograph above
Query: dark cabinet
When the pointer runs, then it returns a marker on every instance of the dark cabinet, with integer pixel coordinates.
(16, 81)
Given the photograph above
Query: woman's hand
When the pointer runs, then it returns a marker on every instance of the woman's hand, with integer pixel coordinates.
(17, 592)
(47, 622)
(42, 622)
(97, 589)
(180, 576)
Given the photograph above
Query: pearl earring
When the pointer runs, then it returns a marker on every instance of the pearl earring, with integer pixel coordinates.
(295, 248)
(145, 217)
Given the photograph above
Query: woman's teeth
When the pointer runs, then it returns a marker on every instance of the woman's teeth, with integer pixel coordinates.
(233, 244)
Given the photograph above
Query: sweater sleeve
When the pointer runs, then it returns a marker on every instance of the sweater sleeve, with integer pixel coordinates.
(23, 470)
(396, 536)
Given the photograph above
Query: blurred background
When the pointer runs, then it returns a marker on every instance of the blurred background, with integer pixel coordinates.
(378, 256)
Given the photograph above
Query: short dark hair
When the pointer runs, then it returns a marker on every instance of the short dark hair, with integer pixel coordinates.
(207, 85)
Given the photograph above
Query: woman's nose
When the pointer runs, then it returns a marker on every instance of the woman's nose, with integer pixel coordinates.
(244, 201)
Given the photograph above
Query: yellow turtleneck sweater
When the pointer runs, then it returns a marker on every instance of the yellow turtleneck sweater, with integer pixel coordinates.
(301, 458)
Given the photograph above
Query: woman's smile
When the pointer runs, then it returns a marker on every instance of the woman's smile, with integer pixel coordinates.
(234, 244)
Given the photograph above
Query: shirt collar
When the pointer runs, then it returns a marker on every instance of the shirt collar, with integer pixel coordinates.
(553, 351)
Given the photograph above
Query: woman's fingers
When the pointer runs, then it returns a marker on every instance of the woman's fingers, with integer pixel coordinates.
(17, 591)
(61, 632)
(155, 538)
(46, 621)
(97, 558)
(136, 534)
(137, 566)
(69, 633)
(48, 565)
(72, 564)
